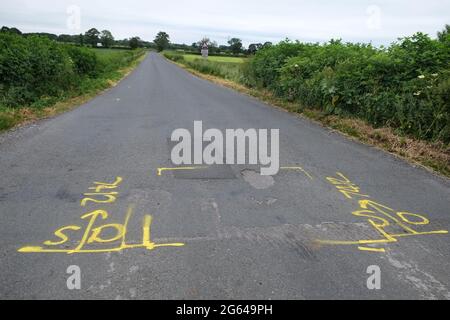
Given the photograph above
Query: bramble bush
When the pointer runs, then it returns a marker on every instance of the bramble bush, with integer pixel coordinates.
(85, 61)
(32, 67)
(405, 86)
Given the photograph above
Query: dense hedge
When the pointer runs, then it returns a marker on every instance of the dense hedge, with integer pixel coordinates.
(405, 86)
(85, 61)
(33, 69)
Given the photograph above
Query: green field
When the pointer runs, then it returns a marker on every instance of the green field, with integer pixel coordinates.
(192, 57)
(225, 67)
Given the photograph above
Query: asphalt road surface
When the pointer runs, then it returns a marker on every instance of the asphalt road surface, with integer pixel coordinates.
(79, 190)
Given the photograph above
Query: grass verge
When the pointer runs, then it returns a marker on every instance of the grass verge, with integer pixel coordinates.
(434, 157)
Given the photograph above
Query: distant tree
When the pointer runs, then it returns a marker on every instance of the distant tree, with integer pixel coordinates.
(213, 47)
(15, 30)
(81, 39)
(223, 48)
(65, 38)
(443, 35)
(162, 41)
(267, 44)
(135, 43)
(147, 44)
(122, 43)
(235, 45)
(254, 47)
(331, 42)
(92, 37)
(106, 38)
(11, 30)
(50, 36)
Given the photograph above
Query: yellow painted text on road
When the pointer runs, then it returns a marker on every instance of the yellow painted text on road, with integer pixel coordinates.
(93, 235)
(101, 197)
(380, 217)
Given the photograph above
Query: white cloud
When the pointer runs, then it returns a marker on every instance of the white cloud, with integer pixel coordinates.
(251, 20)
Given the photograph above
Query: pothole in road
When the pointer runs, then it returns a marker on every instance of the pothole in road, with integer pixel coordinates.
(256, 180)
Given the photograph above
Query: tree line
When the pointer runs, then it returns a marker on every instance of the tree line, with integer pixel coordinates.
(96, 38)
(93, 37)
(234, 47)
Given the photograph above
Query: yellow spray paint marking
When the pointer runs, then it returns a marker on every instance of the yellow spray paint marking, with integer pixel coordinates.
(100, 197)
(346, 187)
(380, 217)
(162, 170)
(371, 249)
(403, 216)
(93, 235)
(298, 169)
(108, 198)
(100, 186)
(60, 234)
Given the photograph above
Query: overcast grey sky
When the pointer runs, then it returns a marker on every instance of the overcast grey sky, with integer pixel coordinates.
(379, 21)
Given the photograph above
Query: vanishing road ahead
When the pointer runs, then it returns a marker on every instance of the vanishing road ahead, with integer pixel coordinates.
(79, 190)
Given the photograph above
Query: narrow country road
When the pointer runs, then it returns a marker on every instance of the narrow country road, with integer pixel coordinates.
(79, 190)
